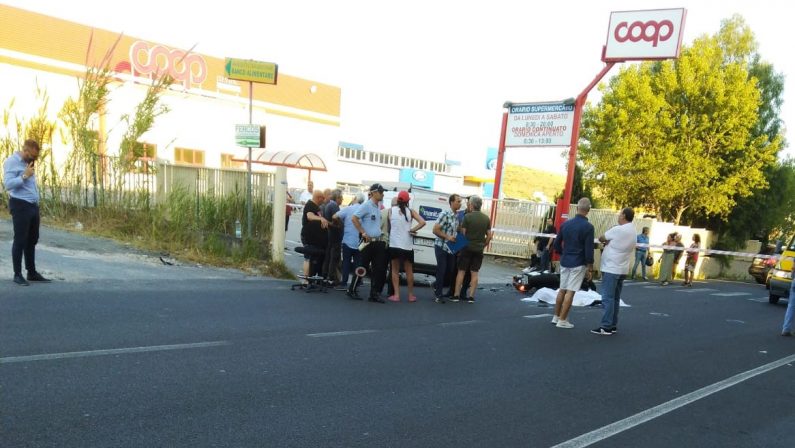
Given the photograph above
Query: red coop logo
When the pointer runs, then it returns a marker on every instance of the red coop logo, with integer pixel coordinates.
(644, 35)
(186, 69)
(650, 31)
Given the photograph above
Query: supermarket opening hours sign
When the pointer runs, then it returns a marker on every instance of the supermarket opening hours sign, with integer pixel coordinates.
(540, 124)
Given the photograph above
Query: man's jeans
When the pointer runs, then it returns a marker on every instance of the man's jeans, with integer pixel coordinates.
(545, 260)
(611, 298)
(788, 316)
(640, 258)
(350, 259)
(445, 266)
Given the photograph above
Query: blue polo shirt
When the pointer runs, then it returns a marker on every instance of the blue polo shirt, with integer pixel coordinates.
(575, 242)
(369, 215)
(350, 236)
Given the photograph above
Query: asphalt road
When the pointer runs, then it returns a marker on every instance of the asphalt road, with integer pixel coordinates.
(167, 357)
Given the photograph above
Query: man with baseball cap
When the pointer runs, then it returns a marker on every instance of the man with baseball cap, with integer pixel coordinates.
(367, 221)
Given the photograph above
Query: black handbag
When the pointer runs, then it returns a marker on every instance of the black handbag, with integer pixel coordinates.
(649, 260)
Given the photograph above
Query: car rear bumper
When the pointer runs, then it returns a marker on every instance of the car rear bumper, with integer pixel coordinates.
(779, 287)
(758, 272)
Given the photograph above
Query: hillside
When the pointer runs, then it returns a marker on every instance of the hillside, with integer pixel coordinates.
(522, 182)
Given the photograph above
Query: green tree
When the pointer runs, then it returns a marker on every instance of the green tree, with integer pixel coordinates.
(767, 210)
(771, 212)
(679, 136)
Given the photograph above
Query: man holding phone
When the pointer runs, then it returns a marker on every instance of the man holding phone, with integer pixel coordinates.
(19, 177)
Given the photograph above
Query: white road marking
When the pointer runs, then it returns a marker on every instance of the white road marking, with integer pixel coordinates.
(112, 351)
(339, 333)
(735, 321)
(759, 300)
(463, 322)
(669, 406)
(660, 314)
(731, 294)
(537, 316)
(696, 290)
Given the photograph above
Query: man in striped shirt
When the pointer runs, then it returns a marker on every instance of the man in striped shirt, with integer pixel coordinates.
(445, 230)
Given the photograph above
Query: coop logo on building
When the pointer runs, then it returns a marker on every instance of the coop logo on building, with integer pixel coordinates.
(186, 68)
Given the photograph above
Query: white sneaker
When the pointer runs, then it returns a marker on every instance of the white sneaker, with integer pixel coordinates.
(564, 324)
(555, 319)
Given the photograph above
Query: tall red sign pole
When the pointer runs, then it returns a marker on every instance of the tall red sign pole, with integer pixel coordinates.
(500, 158)
(562, 211)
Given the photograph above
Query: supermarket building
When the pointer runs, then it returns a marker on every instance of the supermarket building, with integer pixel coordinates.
(302, 116)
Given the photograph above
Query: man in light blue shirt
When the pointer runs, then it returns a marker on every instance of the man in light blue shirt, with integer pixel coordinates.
(19, 178)
(367, 221)
(350, 239)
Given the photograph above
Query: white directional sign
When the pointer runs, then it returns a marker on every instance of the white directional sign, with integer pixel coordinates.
(247, 135)
(539, 124)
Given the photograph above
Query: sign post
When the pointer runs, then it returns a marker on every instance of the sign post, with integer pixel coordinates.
(251, 71)
(631, 36)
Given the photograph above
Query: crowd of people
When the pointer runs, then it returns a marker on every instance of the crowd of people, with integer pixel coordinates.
(366, 238)
(343, 244)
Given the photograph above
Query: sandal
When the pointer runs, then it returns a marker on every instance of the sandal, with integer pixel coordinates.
(412, 298)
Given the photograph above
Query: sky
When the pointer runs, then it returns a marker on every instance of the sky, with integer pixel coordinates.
(427, 78)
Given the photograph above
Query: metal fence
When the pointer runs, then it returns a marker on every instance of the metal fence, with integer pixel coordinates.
(213, 182)
(527, 216)
(106, 181)
(519, 216)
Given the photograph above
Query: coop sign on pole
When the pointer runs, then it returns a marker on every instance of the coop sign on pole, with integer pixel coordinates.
(539, 124)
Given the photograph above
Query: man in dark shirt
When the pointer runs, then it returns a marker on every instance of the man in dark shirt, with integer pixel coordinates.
(575, 244)
(477, 229)
(334, 245)
(313, 232)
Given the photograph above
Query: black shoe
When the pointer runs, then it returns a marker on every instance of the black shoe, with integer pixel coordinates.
(470, 300)
(455, 299)
(353, 296)
(376, 299)
(614, 330)
(19, 280)
(341, 287)
(602, 331)
(36, 277)
(786, 333)
(439, 300)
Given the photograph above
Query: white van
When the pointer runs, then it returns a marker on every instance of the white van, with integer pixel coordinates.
(428, 204)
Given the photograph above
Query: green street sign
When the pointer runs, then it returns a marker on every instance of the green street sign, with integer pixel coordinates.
(254, 71)
(247, 135)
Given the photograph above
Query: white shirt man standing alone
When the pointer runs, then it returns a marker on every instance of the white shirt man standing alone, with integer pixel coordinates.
(619, 244)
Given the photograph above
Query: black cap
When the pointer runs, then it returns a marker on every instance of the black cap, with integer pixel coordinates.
(377, 187)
